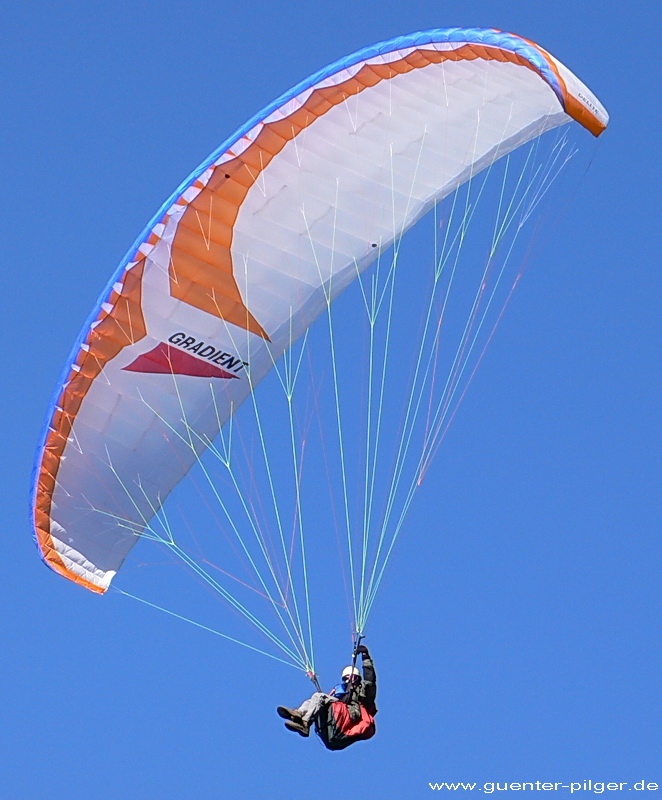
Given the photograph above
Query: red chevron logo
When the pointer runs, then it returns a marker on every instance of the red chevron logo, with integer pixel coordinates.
(167, 360)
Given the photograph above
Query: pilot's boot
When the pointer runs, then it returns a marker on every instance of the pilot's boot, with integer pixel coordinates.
(289, 713)
(302, 728)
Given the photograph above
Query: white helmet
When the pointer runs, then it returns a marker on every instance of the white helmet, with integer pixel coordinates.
(350, 671)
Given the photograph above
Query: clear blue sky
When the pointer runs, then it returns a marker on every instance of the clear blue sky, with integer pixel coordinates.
(518, 635)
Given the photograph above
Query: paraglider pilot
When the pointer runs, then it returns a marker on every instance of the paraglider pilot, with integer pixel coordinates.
(343, 716)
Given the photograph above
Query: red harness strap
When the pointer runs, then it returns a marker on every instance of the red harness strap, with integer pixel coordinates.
(363, 729)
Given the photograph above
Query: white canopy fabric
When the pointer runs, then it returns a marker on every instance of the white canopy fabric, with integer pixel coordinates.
(249, 251)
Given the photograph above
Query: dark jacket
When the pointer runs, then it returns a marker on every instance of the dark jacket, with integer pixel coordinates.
(365, 694)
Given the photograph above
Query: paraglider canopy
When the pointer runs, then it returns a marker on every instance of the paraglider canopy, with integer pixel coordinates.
(251, 249)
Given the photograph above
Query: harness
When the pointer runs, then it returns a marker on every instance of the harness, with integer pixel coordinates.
(334, 725)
